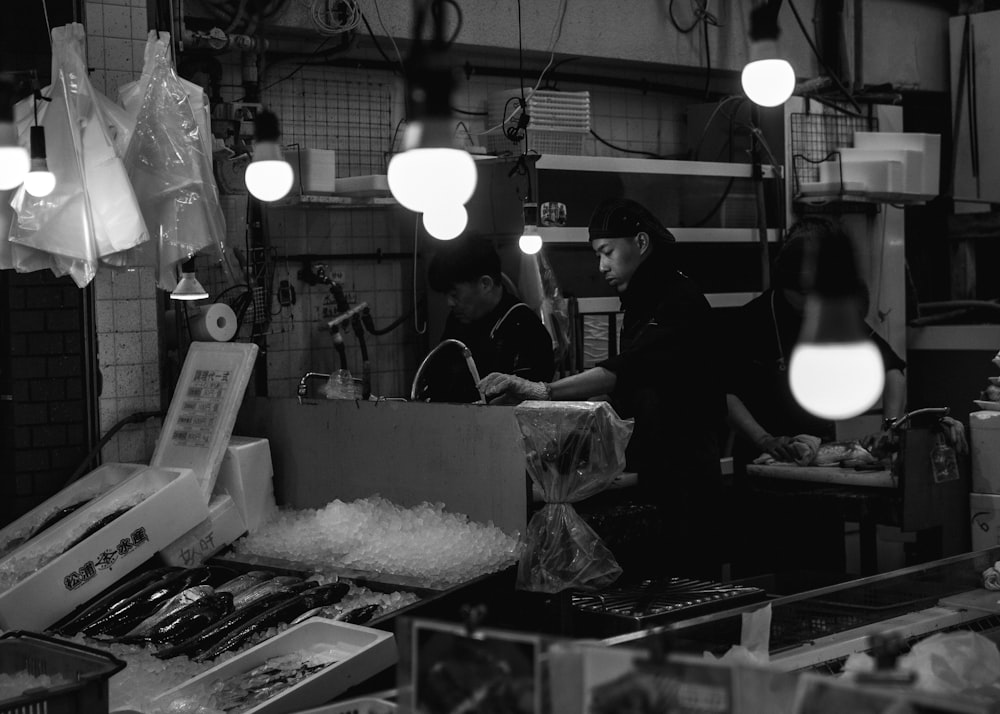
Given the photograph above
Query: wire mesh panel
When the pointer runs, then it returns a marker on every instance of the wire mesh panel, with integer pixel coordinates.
(351, 117)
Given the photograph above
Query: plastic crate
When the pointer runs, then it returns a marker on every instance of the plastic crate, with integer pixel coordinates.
(89, 670)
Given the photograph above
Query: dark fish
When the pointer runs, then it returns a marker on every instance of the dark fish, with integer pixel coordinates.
(263, 589)
(129, 612)
(175, 604)
(277, 615)
(244, 582)
(57, 516)
(191, 620)
(359, 615)
(212, 634)
(90, 612)
(96, 526)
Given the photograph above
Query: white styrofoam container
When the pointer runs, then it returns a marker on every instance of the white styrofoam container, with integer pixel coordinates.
(94, 484)
(984, 446)
(872, 176)
(97, 562)
(929, 146)
(912, 161)
(247, 475)
(223, 525)
(366, 652)
(984, 509)
(318, 169)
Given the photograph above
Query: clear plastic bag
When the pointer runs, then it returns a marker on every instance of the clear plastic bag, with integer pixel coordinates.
(539, 289)
(171, 172)
(574, 450)
(92, 211)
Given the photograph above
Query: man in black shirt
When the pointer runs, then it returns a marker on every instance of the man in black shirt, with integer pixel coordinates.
(503, 334)
(665, 376)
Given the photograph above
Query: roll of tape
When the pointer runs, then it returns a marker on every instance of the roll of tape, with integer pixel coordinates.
(215, 323)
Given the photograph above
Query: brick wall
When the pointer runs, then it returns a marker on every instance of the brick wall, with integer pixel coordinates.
(45, 417)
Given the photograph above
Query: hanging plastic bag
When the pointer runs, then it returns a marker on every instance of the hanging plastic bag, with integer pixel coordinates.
(171, 173)
(574, 450)
(92, 210)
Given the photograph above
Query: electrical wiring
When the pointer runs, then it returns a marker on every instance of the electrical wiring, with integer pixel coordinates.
(701, 16)
(395, 47)
(619, 148)
(332, 17)
(420, 330)
(378, 47)
(819, 57)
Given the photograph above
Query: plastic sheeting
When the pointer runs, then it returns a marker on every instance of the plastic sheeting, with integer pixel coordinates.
(539, 289)
(574, 450)
(92, 212)
(170, 165)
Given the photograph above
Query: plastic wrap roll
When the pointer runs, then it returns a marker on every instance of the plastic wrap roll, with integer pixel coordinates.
(215, 323)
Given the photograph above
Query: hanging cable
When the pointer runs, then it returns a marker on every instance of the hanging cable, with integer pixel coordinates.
(819, 57)
(416, 320)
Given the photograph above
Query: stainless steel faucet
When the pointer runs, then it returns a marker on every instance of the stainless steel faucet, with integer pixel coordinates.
(469, 361)
(303, 389)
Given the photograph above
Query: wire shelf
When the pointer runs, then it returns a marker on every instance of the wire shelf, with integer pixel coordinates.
(353, 118)
(817, 137)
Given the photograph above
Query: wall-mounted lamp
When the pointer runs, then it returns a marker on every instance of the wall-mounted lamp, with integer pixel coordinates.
(432, 174)
(768, 79)
(188, 287)
(530, 241)
(39, 181)
(268, 177)
(14, 160)
(836, 371)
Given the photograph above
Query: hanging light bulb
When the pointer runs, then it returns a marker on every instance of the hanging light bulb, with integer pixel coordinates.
(431, 171)
(14, 161)
(530, 241)
(835, 371)
(188, 287)
(768, 80)
(268, 177)
(447, 222)
(39, 181)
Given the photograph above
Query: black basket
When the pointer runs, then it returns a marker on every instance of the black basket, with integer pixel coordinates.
(87, 669)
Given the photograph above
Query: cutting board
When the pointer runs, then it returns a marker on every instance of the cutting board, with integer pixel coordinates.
(824, 474)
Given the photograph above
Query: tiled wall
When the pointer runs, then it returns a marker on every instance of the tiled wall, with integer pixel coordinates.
(127, 316)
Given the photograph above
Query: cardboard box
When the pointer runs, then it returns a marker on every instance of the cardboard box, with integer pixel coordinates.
(247, 475)
(95, 484)
(88, 567)
(223, 525)
(984, 446)
(365, 652)
(984, 512)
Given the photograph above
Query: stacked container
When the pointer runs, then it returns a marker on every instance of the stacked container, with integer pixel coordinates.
(984, 502)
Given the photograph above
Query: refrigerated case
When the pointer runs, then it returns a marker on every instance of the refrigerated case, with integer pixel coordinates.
(818, 629)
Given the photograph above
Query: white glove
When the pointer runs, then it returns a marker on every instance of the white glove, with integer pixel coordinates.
(499, 388)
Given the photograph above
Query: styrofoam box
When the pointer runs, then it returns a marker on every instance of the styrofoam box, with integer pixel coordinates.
(984, 445)
(366, 652)
(223, 525)
(929, 145)
(913, 166)
(318, 167)
(872, 176)
(247, 475)
(96, 483)
(984, 509)
(104, 557)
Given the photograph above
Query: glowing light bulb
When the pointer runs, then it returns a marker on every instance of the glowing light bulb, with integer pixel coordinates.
(39, 182)
(836, 380)
(446, 223)
(14, 165)
(530, 242)
(423, 179)
(269, 179)
(768, 82)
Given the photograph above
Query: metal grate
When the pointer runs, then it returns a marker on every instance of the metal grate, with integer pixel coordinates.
(637, 606)
(816, 137)
(351, 117)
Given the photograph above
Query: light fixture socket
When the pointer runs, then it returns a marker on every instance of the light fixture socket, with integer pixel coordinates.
(530, 214)
(764, 21)
(266, 127)
(37, 145)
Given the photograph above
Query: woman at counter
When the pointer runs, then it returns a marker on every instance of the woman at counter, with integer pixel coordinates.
(665, 376)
